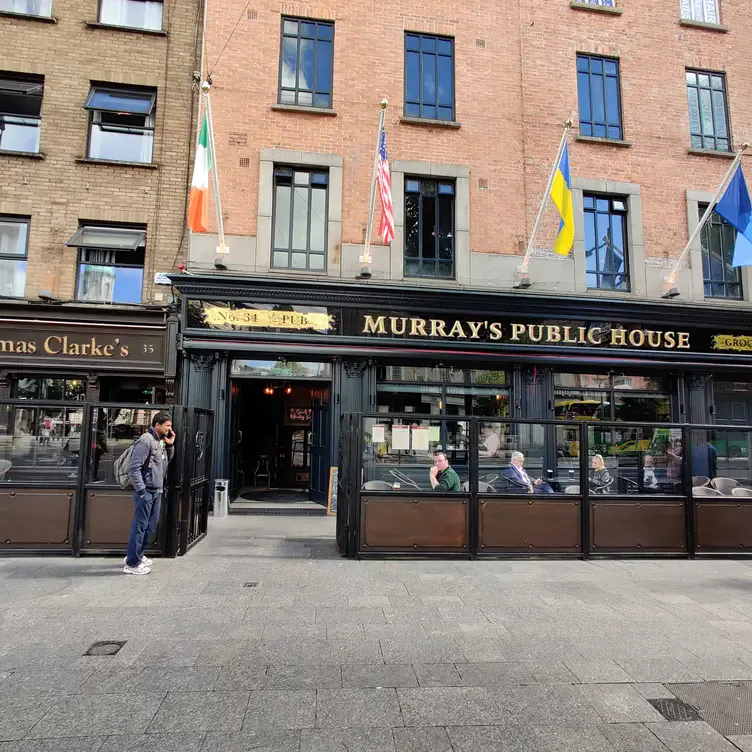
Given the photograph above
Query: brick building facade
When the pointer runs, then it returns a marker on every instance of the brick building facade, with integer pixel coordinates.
(514, 81)
(70, 159)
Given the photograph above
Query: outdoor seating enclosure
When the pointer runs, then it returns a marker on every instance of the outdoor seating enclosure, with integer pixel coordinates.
(597, 488)
(58, 492)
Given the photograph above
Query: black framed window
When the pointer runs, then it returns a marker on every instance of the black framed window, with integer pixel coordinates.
(705, 11)
(708, 112)
(110, 263)
(599, 97)
(121, 125)
(27, 7)
(429, 227)
(134, 14)
(14, 249)
(429, 77)
(35, 387)
(606, 247)
(300, 218)
(20, 112)
(306, 63)
(720, 278)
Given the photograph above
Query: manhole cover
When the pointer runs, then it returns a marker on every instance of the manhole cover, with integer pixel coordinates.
(105, 648)
(726, 706)
(250, 584)
(675, 710)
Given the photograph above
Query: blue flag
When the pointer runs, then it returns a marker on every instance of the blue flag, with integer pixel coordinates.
(736, 208)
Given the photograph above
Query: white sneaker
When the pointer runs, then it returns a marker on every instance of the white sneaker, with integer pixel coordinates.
(146, 560)
(140, 569)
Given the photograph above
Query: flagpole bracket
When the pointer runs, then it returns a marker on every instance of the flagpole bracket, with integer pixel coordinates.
(670, 290)
(521, 279)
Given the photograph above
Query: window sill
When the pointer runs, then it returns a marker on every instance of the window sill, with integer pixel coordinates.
(129, 29)
(115, 163)
(301, 108)
(28, 16)
(711, 153)
(703, 25)
(606, 141)
(596, 8)
(426, 121)
(22, 154)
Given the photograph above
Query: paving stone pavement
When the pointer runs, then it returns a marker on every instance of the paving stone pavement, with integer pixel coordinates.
(329, 655)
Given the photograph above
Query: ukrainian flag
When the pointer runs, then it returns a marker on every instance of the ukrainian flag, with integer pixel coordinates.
(561, 195)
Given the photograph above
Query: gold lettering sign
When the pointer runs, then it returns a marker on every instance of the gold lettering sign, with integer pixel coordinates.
(217, 316)
(527, 334)
(740, 342)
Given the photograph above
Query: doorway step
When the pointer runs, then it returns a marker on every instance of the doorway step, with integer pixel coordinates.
(275, 501)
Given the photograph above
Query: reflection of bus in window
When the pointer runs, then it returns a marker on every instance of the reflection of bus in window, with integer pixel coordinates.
(574, 409)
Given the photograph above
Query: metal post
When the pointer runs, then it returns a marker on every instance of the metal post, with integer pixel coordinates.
(544, 202)
(221, 248)
(366, 258)
(671, 291)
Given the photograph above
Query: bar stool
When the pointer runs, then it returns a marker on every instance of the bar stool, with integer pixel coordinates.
(262, 470)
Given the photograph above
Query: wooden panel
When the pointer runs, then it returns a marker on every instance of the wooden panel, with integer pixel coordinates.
(424, 524)
(108, 517)
(635, 525)
(33, 518)
(529, 525)
(723, 525)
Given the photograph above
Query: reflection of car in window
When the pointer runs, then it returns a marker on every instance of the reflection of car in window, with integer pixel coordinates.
(581, 410)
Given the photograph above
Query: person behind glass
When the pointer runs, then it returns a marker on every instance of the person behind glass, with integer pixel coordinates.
(649, 481)
(704, 458)
(491, 442)
(443, 477)
(675, 454)
(601, 478)
(148, 469)
(517, 476)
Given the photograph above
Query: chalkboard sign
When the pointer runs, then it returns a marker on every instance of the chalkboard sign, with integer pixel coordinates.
(331, 504)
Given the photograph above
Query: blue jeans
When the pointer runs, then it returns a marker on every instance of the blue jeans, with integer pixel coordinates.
(145, 519)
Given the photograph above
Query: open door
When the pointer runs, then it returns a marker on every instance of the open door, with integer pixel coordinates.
(237, 480)
(320, 444)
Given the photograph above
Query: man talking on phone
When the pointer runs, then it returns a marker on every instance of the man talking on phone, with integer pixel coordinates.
(148, 470)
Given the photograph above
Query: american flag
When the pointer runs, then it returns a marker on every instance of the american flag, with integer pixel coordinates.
(384, 179)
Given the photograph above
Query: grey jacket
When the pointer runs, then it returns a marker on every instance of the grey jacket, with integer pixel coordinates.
(149, 472)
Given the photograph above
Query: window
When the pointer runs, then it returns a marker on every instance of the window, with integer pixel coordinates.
(720, 277)
(20, 112)
(306, 63)
(708, 117)
(606, 248)
(33, 387)
(618, 396)
(27, 7)
(136, 14)
(122, 124)
(429, 77)
(599, 97)
(111, 263)
(429, 227)
(14, 243)
(300, 209)
(700, 10)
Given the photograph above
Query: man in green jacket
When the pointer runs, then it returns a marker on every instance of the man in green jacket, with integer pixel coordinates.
(442, 477)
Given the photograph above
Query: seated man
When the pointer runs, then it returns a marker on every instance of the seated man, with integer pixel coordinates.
(442, 477)
(489, 447)
(518, 478)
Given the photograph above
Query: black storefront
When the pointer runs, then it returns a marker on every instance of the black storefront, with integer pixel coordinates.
(78, 384)
(373, 379)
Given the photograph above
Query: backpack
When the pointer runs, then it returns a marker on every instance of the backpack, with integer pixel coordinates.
(122, 464)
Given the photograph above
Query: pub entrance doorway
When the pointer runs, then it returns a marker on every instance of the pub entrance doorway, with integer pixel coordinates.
(280, 431)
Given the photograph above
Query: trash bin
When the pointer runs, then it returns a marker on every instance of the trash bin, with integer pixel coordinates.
(221, 497)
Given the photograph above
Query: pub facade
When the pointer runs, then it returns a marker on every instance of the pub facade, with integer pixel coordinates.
(630, 419)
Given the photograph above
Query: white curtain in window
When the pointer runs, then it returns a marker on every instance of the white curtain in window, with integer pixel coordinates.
(139, 14)
(700, 10)
(30, 7)
(98, 283)
(12, 277)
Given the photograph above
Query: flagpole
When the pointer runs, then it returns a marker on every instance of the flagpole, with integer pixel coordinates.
(671, 291)
(221, 248)
(366, 258)
(544, 202)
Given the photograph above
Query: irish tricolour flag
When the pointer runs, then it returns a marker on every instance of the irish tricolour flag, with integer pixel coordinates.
(198, 206)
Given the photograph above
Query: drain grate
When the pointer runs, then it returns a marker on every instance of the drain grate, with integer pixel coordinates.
(726, 706)
(105, 648)
(675, 710)
(250, 584)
